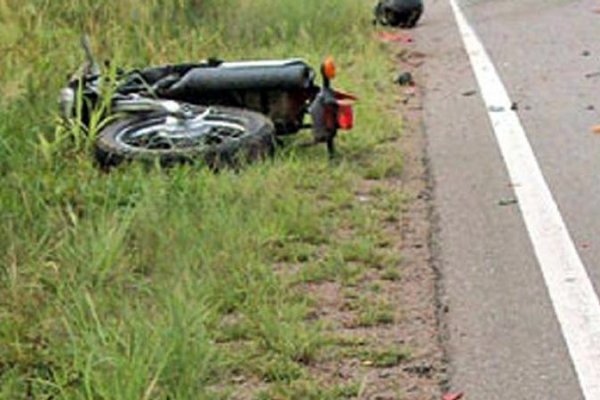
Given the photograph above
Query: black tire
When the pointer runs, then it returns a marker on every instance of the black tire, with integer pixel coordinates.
(256, 141)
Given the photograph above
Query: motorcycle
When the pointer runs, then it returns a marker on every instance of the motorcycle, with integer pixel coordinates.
(214, 111)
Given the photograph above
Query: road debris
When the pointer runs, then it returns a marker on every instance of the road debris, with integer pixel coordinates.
(469, 93)
(592, 74)
(401, 37)
(514, 106)
(586, 53)
(596, 129)
(405, 79)
(453, 396)
(507, 202)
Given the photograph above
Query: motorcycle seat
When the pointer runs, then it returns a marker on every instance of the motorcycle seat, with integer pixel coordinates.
(290, 74)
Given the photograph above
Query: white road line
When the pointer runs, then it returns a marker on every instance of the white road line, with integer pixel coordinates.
(572, 294)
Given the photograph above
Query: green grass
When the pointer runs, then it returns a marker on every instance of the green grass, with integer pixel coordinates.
(374, 312)
(150, 284)
(308, 390)
(385, 358)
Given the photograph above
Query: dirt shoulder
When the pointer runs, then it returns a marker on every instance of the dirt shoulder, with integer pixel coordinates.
(392, 345)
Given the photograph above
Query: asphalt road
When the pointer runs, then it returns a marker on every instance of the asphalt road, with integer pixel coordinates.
(504, 339)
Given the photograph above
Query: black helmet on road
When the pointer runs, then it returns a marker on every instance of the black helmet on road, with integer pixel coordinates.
(398, 13)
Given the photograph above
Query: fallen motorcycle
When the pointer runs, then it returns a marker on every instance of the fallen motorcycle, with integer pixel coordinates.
(215, 112)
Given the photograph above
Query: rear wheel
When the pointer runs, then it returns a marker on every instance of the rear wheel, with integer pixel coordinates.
(216, 136)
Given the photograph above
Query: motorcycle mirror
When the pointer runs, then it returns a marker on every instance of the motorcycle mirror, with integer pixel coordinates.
(91, 66)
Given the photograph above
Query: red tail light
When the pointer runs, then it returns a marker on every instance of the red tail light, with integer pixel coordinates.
(345, 116)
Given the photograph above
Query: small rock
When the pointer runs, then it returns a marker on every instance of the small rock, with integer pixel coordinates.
(586, 53)
(385, 374)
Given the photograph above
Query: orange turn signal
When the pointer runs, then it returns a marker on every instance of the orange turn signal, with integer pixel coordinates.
(329, 68)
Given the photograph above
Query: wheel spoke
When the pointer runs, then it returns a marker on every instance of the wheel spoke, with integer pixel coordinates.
(171, 132)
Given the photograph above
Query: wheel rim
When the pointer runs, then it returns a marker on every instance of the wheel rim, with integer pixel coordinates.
(168, 133)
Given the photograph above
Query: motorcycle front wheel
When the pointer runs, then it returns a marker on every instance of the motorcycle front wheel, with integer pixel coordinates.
(215, 136)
